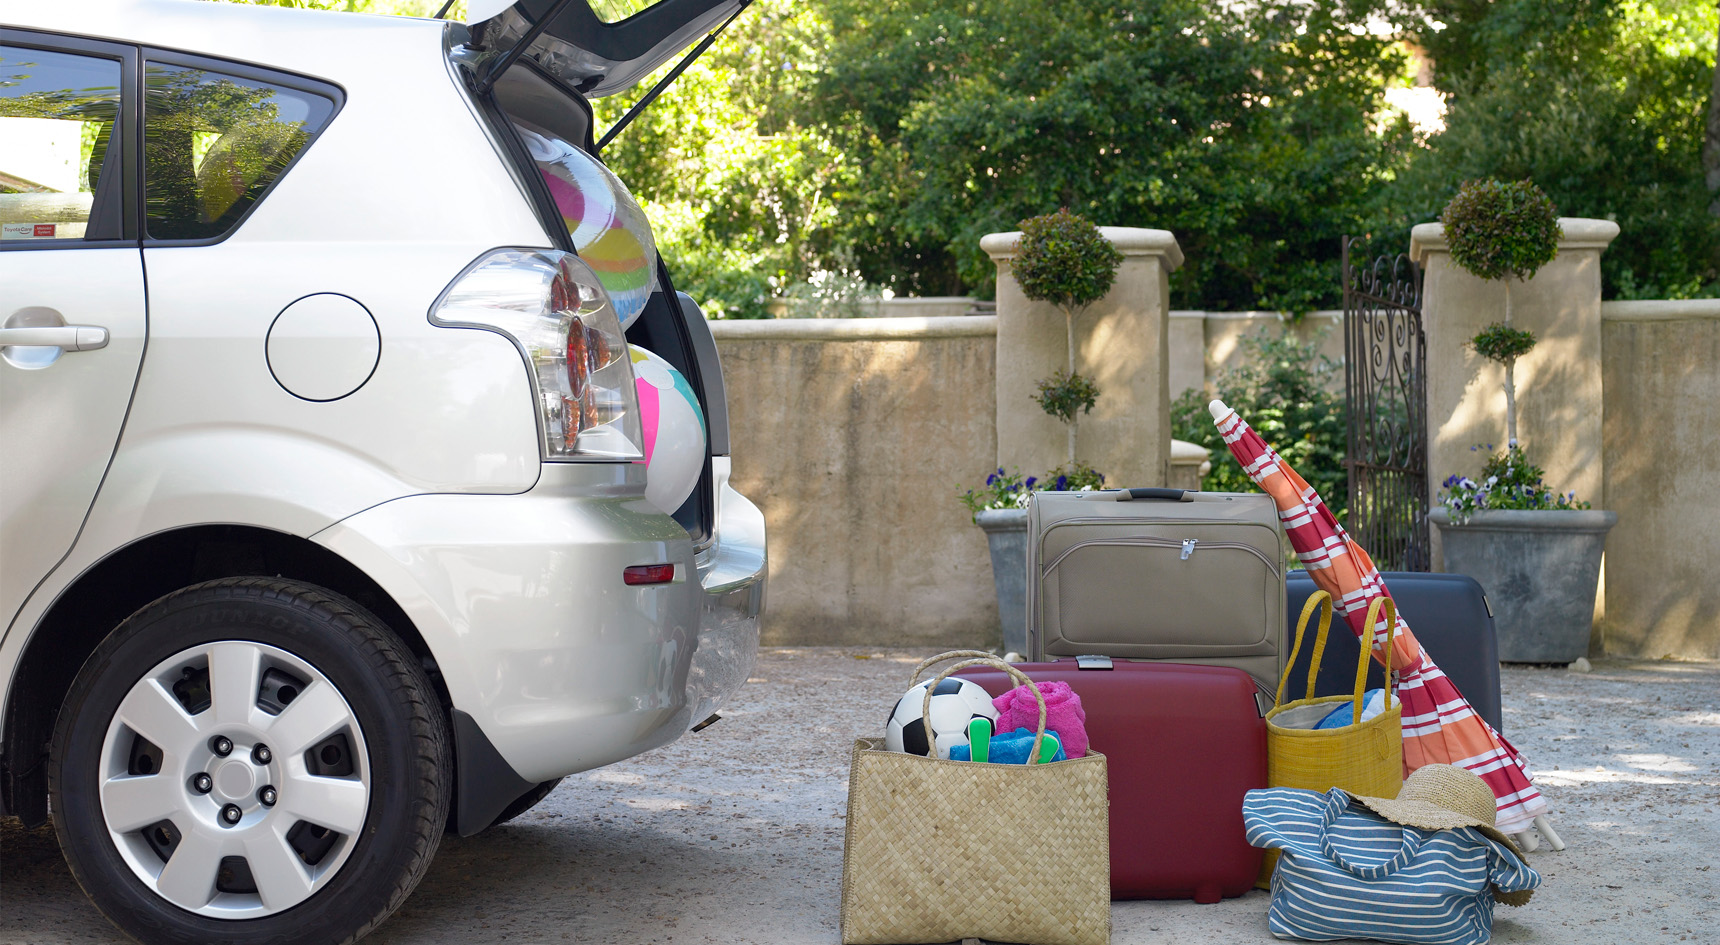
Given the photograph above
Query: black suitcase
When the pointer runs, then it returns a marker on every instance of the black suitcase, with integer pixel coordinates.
(1448, 613)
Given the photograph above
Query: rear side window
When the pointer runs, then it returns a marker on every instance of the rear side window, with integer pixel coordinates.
(213, 144)
(57, 115)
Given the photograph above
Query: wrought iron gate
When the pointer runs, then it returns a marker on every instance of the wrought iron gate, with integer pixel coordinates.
(1385, 385)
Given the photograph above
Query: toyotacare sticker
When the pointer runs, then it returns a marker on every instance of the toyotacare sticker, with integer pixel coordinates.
(27, 231)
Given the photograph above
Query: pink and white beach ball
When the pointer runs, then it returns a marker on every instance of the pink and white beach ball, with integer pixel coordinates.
(674, 429)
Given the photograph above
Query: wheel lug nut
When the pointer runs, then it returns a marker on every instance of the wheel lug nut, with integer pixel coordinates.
(202, 783)
(221, 745)
(231, 814)
(267, 795)
(261, 755)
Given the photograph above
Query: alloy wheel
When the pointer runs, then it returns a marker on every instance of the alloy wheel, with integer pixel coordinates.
(234, 779)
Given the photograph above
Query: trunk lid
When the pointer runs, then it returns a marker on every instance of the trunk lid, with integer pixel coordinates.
(599, 47)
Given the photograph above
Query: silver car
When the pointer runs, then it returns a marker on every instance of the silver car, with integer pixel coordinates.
(362, 472)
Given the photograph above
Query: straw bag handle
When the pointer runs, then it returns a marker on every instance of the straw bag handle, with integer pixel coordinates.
(1323, 601)
(951, 655)
(1390, 607)
(982, 659)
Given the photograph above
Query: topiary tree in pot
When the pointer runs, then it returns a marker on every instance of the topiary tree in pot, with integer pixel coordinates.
(1063, 259)
(1507, 231)
(1536, 550)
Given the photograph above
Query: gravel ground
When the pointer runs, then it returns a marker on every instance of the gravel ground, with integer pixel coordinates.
(734, 835)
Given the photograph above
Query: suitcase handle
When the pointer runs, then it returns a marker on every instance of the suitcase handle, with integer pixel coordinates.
(1171, 495)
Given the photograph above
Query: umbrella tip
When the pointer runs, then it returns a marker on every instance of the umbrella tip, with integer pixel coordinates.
(1218, 410)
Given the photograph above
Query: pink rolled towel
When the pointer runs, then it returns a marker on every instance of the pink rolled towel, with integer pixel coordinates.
(1063, 714)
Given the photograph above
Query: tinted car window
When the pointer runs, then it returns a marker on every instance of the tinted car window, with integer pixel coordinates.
(57, 115)
(611, 11)
(213, 144)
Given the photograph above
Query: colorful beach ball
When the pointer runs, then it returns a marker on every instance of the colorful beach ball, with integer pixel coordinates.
(608, 228)
(674, 428)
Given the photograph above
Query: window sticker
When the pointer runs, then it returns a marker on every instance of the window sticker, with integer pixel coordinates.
(27, 231)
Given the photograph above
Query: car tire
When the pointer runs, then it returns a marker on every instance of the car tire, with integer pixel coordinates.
(524, 802)
(185, 824)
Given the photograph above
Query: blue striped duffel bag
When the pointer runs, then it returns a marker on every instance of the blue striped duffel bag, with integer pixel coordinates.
(1429, 874)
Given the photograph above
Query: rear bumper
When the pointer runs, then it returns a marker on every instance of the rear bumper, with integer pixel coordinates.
(558, 663)
(732, 581)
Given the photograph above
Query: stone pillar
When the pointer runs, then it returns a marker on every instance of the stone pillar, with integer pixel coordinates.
(1123, 345)
(1558, 383)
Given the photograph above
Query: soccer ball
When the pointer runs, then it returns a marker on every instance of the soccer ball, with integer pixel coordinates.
(955, 703)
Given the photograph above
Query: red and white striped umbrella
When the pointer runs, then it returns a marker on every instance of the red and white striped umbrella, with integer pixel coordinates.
(1438, 723)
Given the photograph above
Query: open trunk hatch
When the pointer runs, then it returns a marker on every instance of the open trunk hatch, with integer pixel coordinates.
(580, 45)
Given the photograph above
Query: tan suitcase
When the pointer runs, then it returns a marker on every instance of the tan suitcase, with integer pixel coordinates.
(1158, 574)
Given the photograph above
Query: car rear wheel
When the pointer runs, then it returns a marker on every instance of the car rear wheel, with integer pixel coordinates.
(250, 760)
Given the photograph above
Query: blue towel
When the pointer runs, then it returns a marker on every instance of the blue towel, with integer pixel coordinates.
(1010, 748)
(1373, 703)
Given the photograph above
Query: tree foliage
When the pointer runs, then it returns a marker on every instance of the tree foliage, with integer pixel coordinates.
(1502, 343)
(1292, 396)
(1600, 102)
(896, 133)
(1498, 229)
(1245, 130)
(1062, 258)
(740, 187)
(1066, 396)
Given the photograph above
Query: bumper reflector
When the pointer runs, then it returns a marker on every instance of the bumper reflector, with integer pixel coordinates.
(649, 574)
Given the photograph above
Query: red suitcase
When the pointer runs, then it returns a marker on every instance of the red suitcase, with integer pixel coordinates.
(1183, 744)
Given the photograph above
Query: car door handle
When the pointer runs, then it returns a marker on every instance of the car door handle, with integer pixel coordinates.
(65, 337)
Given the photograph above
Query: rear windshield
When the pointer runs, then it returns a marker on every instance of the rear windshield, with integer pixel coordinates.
(614, 11)
(213, 143)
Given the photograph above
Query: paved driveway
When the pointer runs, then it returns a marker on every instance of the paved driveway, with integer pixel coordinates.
(734, 835)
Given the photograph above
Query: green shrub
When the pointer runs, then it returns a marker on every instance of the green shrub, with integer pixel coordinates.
(1502, 343)
(1063, 395)
(1064, 259)
(1498, 229)
(1284, 391)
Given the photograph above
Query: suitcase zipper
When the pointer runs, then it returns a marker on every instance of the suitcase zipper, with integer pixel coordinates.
(1186, 545)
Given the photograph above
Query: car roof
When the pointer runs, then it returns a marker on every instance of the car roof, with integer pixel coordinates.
(328, 45)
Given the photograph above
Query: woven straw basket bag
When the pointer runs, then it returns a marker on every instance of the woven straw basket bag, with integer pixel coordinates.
(1365, 758)
(939, 851)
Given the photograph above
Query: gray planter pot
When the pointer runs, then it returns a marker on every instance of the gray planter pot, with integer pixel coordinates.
(1006, 530)
(1539, 569)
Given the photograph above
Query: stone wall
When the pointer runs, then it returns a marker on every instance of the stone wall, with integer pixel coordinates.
(1204, 344)
(1661, 434)
(854, 436)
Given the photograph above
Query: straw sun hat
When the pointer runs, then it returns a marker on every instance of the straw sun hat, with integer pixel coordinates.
(1445, 797)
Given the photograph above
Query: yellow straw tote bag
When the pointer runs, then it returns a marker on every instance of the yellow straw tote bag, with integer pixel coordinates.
(1362, 758)
(939, 851)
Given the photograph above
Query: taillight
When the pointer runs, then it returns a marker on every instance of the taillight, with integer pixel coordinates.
(559, 315)
(648, 574)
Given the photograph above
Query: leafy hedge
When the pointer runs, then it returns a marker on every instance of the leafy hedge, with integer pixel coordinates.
(1293, 396)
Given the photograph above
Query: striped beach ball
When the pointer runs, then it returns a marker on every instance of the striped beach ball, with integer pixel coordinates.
(674, 429)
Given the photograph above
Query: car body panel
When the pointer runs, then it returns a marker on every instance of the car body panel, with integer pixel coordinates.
(61, 419)
(562, 665)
